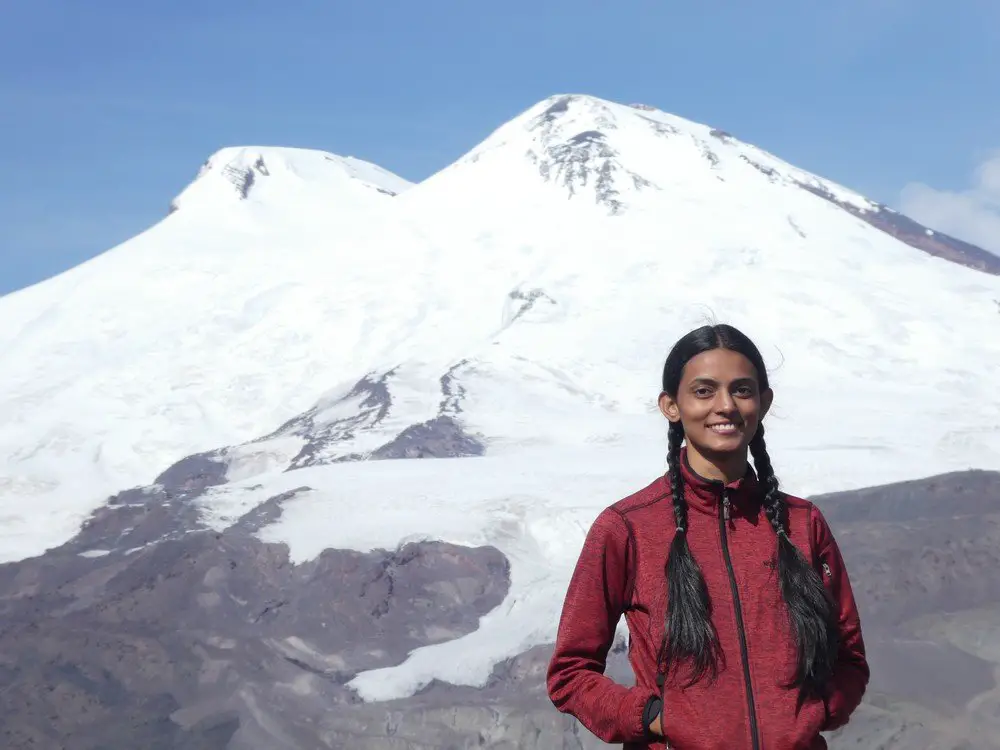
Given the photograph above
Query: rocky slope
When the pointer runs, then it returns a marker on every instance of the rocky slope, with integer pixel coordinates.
(151, 630)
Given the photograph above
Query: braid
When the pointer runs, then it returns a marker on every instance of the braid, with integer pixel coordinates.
(810, 609)
(774, 503)
(688, 631)
(674, 439)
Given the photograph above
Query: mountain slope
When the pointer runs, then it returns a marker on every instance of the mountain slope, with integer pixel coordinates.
(518, 303)
(580, 226)
(245, 376)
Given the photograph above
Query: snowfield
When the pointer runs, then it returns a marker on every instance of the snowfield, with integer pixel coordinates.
(528, 293)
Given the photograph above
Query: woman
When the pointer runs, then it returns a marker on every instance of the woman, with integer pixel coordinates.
(743, 630)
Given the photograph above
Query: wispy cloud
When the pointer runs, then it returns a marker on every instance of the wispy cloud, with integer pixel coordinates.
(972, 214)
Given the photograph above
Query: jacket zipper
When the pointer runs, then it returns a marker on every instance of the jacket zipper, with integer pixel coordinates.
(744, 652)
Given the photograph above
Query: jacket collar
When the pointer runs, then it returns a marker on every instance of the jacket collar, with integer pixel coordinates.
(706, 494)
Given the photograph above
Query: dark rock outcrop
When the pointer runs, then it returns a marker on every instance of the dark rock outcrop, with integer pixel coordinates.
(441, 437)
(366, 407)
(585, 159)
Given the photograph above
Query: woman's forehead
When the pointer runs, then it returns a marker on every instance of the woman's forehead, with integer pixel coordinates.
(719, 365)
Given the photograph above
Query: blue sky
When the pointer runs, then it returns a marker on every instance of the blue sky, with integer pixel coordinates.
(109, 107)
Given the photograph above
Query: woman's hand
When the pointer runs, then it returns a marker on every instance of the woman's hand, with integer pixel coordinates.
(656, 726)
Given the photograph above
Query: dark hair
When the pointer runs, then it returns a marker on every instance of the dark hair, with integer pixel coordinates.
(689, 634)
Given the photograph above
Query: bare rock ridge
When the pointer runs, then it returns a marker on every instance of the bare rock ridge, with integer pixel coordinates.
(363, 411)
(151, 630)
(583, 158)
(918, 236)
(439, 437)
(243, 178)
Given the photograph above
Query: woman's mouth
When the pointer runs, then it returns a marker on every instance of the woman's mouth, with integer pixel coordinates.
(724, 428)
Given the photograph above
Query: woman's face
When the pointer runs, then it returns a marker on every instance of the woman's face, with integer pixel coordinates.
(719, 403)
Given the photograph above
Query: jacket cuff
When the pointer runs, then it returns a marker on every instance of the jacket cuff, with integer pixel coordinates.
(633, 714)
(654, 706)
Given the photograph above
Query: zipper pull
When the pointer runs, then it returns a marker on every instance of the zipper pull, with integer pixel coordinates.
(725, 505)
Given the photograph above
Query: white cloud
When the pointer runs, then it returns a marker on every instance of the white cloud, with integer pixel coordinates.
(972, 215)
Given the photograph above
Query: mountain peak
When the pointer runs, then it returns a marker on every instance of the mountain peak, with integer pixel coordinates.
(617, 158)
(588, 153)
(573, 149)
(241, 173)
(638, 147)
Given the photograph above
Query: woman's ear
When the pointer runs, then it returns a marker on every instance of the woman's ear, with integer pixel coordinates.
(766, 398)
(668, 408)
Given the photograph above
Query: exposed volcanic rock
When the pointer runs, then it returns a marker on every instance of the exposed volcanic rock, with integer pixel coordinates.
(150, 630)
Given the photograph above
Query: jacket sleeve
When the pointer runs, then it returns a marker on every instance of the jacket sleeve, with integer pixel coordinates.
(598, 593)
(851, 674)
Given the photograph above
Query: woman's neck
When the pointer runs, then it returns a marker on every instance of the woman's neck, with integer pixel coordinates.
(724, 468)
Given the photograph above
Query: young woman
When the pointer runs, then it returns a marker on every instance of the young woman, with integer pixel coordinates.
(743, 630)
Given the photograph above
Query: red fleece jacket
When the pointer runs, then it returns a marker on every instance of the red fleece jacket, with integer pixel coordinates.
(621, 571)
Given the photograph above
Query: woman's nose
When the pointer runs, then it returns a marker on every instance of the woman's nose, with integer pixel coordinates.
(724, 403)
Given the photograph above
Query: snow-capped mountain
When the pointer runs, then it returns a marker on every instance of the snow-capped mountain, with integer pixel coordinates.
(298, 313)
(211, 326)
